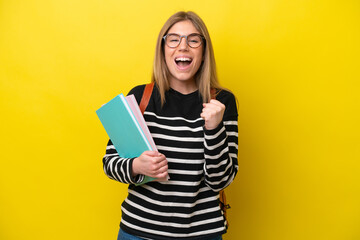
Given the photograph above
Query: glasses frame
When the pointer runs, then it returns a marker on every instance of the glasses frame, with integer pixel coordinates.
(186, 38)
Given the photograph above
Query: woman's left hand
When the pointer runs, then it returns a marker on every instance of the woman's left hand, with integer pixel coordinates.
(212, 113)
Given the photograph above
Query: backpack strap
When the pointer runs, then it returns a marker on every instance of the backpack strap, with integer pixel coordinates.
(146, 97)
(222, 197)
(213, 93)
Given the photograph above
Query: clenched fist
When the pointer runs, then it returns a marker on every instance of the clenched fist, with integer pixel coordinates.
(212, 113)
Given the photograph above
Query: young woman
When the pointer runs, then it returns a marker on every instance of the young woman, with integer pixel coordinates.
(196, 137)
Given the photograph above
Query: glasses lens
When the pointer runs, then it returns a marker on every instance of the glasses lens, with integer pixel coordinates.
(194, 41)
(172, 40)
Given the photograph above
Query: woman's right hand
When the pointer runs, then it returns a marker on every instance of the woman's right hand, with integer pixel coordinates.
(152, 164)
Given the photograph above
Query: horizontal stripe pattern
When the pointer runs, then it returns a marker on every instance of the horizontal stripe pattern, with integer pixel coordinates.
(200, 162)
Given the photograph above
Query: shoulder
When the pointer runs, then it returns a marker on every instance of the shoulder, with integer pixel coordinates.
(225, 96)
(229, 100)
(137, 92)
(137, 89)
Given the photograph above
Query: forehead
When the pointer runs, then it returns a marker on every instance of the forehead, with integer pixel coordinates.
(185, 27)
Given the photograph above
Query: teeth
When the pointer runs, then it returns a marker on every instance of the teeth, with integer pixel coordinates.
(183, 59)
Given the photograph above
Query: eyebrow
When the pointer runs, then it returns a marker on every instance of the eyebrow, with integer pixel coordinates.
(183, 35)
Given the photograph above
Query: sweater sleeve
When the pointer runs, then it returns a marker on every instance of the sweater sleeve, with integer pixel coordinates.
(118, 168)
(221, 148)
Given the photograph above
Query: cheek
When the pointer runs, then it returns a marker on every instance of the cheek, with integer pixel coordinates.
(199, 58)
(200, 54)
(168, 58)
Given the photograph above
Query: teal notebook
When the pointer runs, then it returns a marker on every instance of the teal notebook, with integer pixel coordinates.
(124, 129)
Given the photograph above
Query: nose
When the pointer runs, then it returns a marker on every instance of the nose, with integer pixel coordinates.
(183, 43)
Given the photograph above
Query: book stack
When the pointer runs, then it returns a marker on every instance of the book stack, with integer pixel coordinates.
(126, 127)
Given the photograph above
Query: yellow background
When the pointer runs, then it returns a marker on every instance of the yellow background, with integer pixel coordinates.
(292, 65)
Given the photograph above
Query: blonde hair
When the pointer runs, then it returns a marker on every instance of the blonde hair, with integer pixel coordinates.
(206, 76)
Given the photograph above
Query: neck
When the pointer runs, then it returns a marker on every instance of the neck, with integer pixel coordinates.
(184, 87)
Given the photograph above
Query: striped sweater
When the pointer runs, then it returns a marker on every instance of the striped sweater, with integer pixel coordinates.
(201, 162)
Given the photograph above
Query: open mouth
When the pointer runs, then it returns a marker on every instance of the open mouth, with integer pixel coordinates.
(183, 62)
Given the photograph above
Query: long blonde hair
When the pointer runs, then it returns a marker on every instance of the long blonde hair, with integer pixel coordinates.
(206, 76)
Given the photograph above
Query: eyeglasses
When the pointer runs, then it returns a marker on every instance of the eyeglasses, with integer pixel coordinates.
(193, 40)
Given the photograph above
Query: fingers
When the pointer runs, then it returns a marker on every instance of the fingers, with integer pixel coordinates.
(159, 159)
(160, 167)
(162, 171)
(152, 164)
(151, 153)
(154, 157)
(212, 108)
(212, 113)
(214, 103)
(157, 163)
(162, 177)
